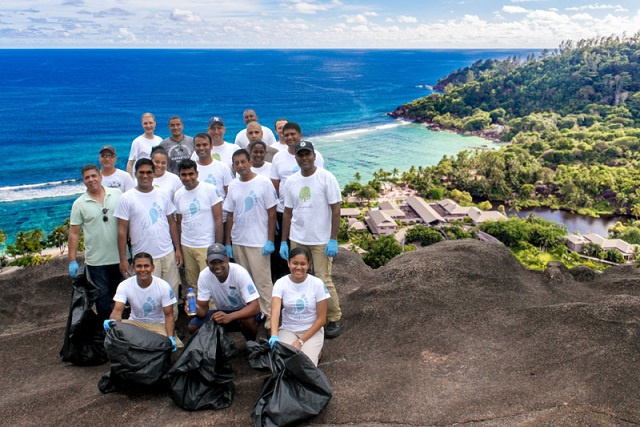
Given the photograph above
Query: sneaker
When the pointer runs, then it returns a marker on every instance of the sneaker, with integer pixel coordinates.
(333, 329)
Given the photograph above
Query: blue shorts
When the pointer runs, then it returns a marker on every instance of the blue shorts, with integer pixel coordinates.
(229, 327)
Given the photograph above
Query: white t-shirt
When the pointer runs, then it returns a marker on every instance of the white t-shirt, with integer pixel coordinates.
(224, 153)
(141, 147)
(233, 294)
(310, 197)
(148, 224)
(119, 179)
(249, 201)
(198, 225)
(146, 303)
(264, 170)
(283, 165)
(218, 174)
(242, 140)
(299, 301)
(168, 184)
(279, 146)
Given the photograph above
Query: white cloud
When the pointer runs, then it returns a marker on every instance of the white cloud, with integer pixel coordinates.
(514, 9)
(311, 7)
(407, 19)
(182, 15)
(582, 17)
(615, 7)
(356, 19)
(126, 34)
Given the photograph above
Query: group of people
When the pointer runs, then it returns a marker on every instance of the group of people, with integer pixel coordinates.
(200, 202)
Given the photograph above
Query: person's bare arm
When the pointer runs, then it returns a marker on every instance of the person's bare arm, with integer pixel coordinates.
(116, 313)
(123, 229)
(217, 222)
(169, 320)
(74, 238)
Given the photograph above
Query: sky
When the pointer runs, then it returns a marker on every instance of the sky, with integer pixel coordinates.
(293, 24)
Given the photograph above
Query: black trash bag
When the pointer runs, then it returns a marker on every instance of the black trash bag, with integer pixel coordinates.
(139, 359)
(84, 335)
(202, 377)
(296, 390)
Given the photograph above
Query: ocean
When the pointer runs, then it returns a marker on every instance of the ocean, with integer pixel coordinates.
(61, 106)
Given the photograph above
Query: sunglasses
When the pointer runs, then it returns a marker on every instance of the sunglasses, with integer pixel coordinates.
(105, 218)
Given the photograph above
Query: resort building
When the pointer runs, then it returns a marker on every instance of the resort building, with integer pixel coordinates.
(424, 211)
(380, 223)
(576, 243)
(349, 212)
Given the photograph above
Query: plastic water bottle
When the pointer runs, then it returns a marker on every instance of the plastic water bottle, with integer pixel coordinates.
(191, 302)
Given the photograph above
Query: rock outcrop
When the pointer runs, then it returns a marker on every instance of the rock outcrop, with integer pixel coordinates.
(458, 332)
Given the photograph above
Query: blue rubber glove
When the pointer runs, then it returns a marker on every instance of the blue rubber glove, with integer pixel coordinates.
(332, 248)
(273, 340)
(73, 269)
(284, 251)
(107, 324)
(175, 345)
(229, 251)
(268, 248)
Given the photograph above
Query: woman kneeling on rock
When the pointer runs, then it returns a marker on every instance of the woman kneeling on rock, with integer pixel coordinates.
(303, 301)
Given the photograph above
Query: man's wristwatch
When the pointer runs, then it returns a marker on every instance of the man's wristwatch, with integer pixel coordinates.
(301, 342)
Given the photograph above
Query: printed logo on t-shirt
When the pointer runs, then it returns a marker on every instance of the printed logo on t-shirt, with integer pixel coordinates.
(213, 181)
(301, 303)
(234, 298)
(251, 289)
(294, 170)
(305, 194)
(171, 294)
(154, 214)
(194, 208)
(249, 202)
(148, 306)
(216, 156)
(113, 184)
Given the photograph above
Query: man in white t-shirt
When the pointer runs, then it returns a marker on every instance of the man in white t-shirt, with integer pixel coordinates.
(242, 140)
(220, 150)
(280, 145)
(146, 216)
(142, 145)
(112, 177)
(199, 211)
(311, 220)
(178, 146)
(210, 170)
(255, 133)
(233, 292)
(151, 299)
(251, 224)
(283, 166)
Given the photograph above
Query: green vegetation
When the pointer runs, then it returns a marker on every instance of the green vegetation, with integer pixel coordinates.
(425, 235)
(28, 245)
(572, 117)
(381, 251)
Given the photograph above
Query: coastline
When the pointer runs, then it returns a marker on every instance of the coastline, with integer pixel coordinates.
(491, 135)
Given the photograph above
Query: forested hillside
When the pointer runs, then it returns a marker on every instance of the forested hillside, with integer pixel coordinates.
(572, 116)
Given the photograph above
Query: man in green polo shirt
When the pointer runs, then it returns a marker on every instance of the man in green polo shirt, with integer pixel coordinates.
(93, 211)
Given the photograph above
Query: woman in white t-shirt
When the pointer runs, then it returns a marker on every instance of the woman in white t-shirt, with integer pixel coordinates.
(165, 181)
(302, 298)
(142, 145)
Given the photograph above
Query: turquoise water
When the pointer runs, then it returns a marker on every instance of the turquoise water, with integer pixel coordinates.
(60, 106)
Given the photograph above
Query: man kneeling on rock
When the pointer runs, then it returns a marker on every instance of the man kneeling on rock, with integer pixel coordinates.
(151, 300)
(232, 290)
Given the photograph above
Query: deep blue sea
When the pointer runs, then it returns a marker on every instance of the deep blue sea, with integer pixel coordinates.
(59, 106)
